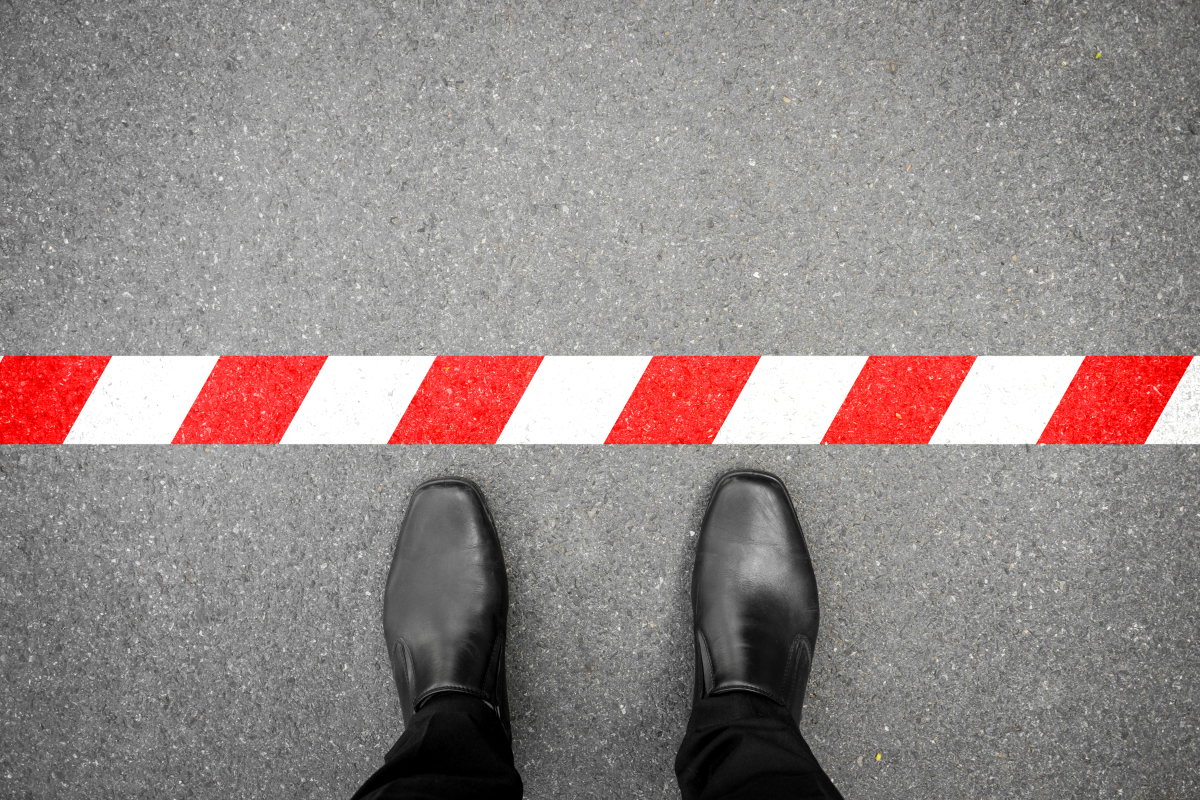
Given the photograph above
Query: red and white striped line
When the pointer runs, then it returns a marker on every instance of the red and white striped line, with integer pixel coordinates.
(599, 400)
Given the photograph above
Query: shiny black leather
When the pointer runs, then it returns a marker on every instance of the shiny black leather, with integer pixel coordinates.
(445, 608)
(754, 594)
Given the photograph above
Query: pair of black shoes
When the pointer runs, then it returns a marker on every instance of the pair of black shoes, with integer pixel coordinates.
(754, 597)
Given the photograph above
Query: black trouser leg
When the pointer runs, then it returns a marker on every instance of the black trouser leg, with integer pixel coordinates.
(743, 746)
(453, 749)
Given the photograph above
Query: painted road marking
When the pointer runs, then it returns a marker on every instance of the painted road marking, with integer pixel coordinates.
(357, 399)
(465, 400)
(1006, 399)
(249, 400)
(790, 399)
(682, 400)
(141, 400)
(574, 400)
(1114, 400)
(898, 400)
(1180, 420)
(589, 399)
(41, 396)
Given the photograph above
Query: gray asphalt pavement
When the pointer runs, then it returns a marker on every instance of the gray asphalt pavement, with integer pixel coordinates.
(572, 178)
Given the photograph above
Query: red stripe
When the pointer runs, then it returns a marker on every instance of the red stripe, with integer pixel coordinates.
(465, 399)
(1114, 400)
(41, 396)
(249, 400)
(682, 400)
(898, 399)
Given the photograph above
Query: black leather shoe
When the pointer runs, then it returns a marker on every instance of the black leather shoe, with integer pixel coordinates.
(754, 594)
(445, 609)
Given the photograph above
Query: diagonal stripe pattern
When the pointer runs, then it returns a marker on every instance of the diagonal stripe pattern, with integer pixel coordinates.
(1114, 400)
(599, 400)
(682, 400)
(898, 399)
(249, 400)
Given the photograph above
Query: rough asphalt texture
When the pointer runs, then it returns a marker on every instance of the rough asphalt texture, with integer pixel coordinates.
(726, 177)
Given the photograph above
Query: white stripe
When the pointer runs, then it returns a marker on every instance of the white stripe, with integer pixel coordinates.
(141, 400)
(790, 399)
(1180, 420)
(1006, 400)
(357, 399)
(574, 400)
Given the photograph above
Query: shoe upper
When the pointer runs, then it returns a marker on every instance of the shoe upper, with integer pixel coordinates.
(445, 608)
(754, 594)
